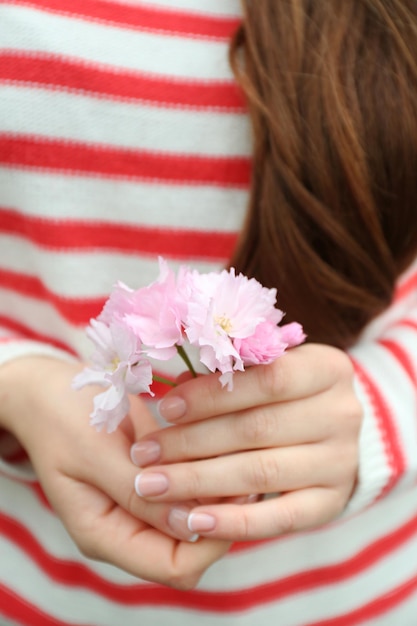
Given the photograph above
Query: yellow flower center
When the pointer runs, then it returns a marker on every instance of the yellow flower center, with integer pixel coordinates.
(224, 323)
(115, 363)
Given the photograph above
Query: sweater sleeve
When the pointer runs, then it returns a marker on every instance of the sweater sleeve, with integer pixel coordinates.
(385, 363)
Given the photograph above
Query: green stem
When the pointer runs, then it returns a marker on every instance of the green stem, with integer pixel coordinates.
(163, 380)
(186, 360)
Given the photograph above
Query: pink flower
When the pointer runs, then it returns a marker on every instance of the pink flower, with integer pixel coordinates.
(292, 334)
(118, 305)
(264, 346)
(231, 319)
(118, 365)
(268, 342)
(157, 314)
(225, 308)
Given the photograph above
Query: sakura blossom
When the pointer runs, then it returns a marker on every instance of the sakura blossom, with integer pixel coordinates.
(231, 320)
(119, 366)
(227, 309)
(157, 314)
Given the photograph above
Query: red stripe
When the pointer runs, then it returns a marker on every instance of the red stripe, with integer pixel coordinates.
(72, 157)
(77, 575)
(387, 428)
(412, 324)
(24, 612)
(401, 356)
(406, 287)
(55, 73)
(139, 17)
(27, 614)
(374, 609)
(26, 332)
(75, 235)
(76, 311)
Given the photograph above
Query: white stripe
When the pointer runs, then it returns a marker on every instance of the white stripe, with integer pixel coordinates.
(84, 275)
(43, 319)
(183, 57)
(122, 202)
(116, 124)
(224, 8)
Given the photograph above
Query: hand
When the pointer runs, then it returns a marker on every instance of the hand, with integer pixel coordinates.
(290, 428)
(88, 476)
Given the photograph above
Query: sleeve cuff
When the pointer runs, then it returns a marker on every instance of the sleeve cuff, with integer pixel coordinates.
(374, 470)
(17, 348)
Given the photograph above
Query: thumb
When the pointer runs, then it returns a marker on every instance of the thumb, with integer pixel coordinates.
(140, 420)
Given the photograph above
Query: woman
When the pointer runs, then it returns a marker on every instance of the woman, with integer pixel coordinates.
(124, 136)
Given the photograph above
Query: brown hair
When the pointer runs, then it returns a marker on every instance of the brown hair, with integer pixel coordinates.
(331, 87)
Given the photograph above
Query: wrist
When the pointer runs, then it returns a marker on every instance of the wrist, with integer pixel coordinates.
(21, 383)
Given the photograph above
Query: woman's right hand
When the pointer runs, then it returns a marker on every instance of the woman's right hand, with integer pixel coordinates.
(88, 477)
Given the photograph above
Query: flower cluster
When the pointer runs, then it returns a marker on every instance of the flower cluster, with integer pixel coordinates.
(231, 319)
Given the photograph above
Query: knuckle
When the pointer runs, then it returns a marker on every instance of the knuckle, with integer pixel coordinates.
(192, 482)
(342, 365)
(178, 444)
(256, 427)
(265, 474)
(241, 525)
(87, 548)
(208, 394)
(270, 379)
(182, 581)
(286, 518)
(350, 416)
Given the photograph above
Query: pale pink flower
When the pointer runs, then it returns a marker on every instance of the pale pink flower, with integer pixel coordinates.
(225, 307)
(118, 305)
(157, 314)
(117, 364)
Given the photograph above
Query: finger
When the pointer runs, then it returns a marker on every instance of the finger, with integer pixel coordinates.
(301, 372)
(291, 512)
(267, 471)
(283, 424)
(109, 533)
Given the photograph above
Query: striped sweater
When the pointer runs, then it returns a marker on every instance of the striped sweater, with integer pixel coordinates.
(123, 136)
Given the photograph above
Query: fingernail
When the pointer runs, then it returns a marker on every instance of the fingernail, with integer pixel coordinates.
(172, 409)
(201, 522)
(177, 520)
(151, 484)
(145, 452)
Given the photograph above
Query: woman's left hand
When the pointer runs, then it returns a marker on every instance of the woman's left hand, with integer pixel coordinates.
(289, 430)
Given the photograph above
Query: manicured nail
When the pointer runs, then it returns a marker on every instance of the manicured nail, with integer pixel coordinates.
(177, 520)
(151, 484)
(145, 452)
(172, 409)
(201, 523)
